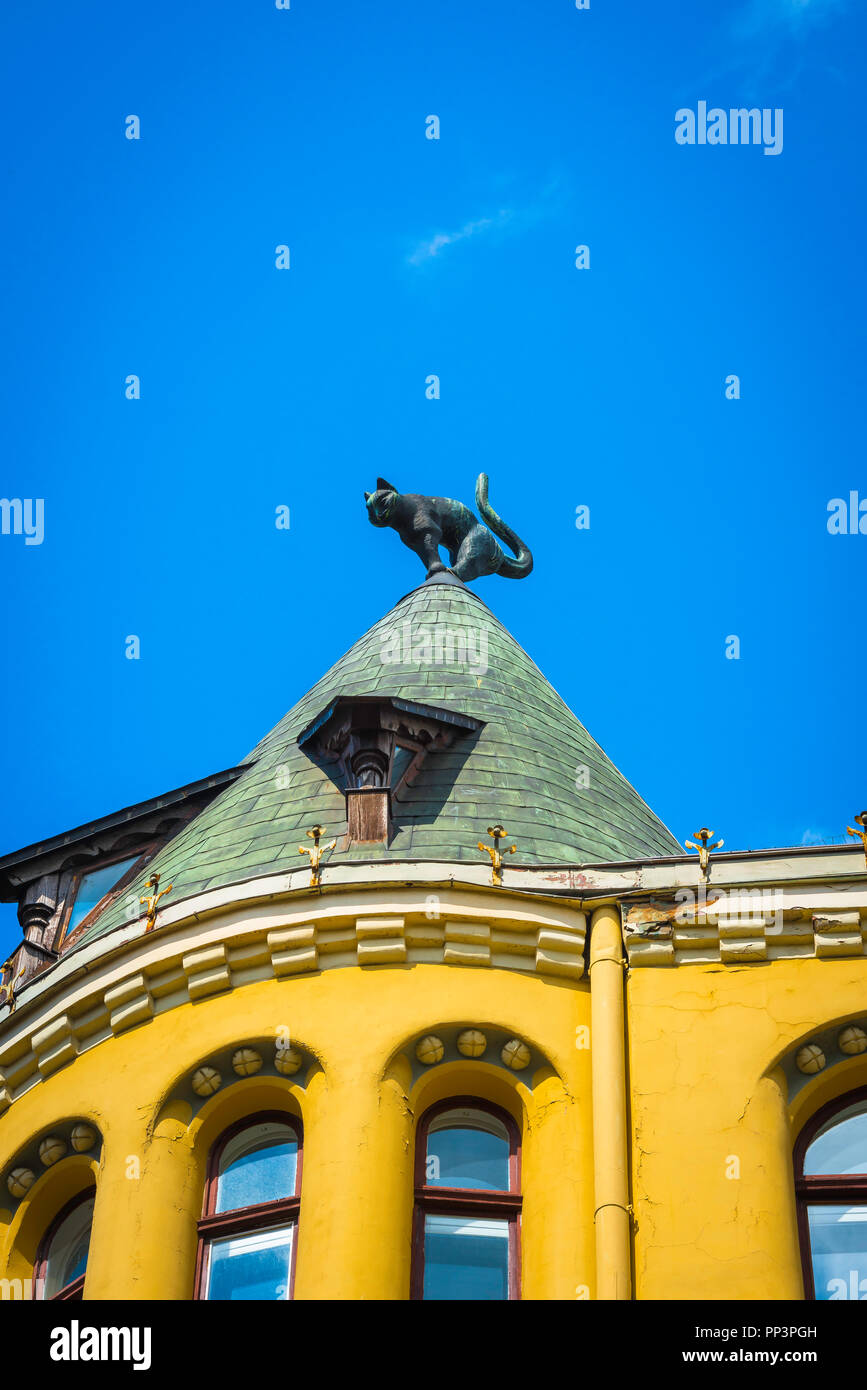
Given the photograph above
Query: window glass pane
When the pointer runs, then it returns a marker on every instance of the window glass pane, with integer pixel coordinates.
(468, 1148)
(67, 1252)
(251, 1266)
(400, 762)
(465, 1258)
(258, 1165)
(841, 1145)
(838, 1240)
(93, 888)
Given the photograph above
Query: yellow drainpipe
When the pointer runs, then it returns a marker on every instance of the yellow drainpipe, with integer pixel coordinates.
(608, 1067)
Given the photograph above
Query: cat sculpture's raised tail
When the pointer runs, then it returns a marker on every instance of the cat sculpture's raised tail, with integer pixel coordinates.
(523, 562)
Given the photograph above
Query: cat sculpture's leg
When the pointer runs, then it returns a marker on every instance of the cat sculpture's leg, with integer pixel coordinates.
(478, 555)
(426, 546)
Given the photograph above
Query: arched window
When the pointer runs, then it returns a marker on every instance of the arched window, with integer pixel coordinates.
(62, 1259)
(466, 1237)
(247, 1233)
(831, 1183)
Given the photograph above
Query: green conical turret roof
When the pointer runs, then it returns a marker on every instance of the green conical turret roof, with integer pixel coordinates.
(522, 768)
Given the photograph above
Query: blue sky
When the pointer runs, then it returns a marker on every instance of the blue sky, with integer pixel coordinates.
(409, 256)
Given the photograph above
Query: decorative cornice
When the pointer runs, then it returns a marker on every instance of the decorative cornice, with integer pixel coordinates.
(198, 957)
(737, 930)
(582, 885)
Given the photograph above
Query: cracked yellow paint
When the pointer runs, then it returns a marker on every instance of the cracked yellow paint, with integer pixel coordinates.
(713, 1130)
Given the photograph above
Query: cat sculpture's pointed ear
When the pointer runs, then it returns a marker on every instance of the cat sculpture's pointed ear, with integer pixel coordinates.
(383, 486)
(367, 497)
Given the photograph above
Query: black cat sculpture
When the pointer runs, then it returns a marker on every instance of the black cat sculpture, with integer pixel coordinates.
(426, 523)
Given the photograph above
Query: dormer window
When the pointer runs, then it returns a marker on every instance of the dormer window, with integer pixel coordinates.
(64, 885)
(378, 744)
(94, 889)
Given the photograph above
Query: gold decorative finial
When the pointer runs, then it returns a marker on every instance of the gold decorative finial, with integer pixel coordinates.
(860, 834)
(7, 988)
(704, 849)
(153, 899)
(496, 832)
(316, 852)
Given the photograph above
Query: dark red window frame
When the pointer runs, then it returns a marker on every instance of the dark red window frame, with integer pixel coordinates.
(213, 1224)
(829, 1189)
(74, 1289)
(465, 1201)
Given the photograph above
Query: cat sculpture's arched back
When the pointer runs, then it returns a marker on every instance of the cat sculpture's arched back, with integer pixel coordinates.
(426, 523)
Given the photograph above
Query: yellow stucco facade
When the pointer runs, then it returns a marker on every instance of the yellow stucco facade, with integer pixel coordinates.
(657, 1118)
(358, 1104)
(716, 1215)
